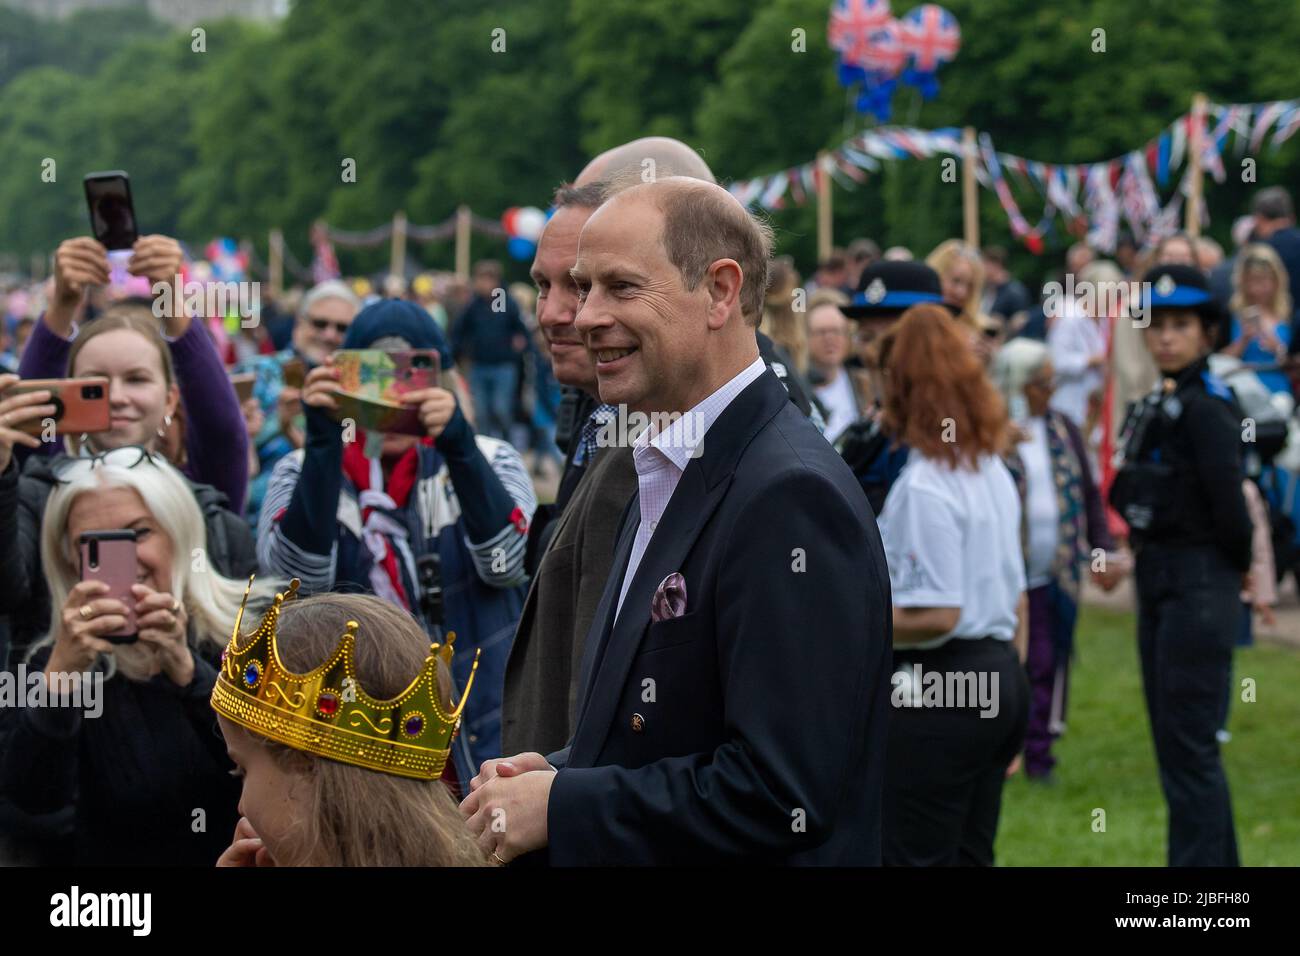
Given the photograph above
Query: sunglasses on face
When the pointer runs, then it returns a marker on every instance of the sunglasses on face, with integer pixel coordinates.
(320, 325)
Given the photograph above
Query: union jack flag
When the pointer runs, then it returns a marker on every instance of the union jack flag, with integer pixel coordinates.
(931, 35)
(851, 25)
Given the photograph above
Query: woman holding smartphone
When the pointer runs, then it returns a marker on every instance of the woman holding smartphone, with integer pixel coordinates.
(140, 760)
(125, 347)
(216, 440)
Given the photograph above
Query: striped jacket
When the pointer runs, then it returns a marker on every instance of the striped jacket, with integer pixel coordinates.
(483, 582)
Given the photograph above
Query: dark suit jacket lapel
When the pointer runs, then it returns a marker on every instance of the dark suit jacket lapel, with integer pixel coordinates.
(604, 617)
(690, 507)
(698, 493)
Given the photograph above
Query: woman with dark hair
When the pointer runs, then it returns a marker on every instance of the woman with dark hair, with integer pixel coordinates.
(1179, 487)
(951, 530)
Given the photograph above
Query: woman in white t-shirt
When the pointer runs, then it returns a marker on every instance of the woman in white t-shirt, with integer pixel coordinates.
(951, 530)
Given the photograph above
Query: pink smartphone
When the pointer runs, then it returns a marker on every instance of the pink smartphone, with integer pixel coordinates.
(109, 556)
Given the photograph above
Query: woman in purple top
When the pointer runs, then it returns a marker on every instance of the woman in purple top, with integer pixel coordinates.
(216, 439)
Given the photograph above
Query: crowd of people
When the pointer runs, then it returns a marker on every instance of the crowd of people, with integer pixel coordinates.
(716, 642)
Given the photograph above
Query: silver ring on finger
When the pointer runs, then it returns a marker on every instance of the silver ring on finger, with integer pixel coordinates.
(86, 612)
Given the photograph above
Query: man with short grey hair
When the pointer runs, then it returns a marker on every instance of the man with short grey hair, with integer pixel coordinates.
(735, 681)
(324, 316)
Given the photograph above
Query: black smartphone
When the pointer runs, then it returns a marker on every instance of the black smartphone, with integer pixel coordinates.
(112, 214)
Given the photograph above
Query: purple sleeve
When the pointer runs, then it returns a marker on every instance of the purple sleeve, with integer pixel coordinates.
(46, 356)
(216, 438)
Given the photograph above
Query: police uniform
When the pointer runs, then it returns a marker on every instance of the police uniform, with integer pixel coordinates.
(1179, 488)
(886, 290)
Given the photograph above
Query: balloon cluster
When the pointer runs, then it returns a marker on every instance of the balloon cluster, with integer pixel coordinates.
(877, 51)
(523, 226)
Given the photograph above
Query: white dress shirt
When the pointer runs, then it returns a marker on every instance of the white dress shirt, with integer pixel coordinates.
(1074, 338)
(660, 460)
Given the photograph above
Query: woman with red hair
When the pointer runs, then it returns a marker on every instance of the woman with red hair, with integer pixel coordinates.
(951, 530)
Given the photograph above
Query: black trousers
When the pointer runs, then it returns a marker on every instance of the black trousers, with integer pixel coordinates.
(945, 765)
(1189, 614)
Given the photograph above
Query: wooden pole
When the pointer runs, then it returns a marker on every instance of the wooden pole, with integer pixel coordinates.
(397, 259)
(462, 243)
(275, 263)
(1196, 177)
(970, 204)
(825, 213)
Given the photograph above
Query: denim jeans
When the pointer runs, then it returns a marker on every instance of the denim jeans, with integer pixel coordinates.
(493, 388)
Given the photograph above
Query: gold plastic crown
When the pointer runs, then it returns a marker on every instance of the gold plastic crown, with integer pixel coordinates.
(325, 711)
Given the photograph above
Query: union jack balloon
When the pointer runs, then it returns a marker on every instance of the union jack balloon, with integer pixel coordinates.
(931, 36)
(851, 25)
(885, 52)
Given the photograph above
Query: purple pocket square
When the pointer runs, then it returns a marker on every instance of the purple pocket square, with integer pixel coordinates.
(670, 599)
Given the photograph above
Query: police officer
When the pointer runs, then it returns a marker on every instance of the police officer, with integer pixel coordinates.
(885, 291)
(1179, 488)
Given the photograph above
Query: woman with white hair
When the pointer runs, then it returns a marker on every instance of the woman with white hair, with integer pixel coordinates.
(1063, 518)
(140, 759)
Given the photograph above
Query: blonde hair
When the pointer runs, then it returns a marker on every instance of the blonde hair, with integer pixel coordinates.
(210, 599)
(1261, 255)
(352, 816)
(941, 260)
(780, 322)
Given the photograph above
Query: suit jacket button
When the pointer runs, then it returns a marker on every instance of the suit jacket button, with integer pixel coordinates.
(638, 723)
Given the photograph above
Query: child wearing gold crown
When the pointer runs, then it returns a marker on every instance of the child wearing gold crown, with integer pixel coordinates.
(337, 715)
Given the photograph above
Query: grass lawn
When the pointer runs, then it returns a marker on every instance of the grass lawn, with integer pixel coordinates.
(1106, 760)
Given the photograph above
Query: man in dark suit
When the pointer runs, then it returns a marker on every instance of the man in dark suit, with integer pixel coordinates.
(735, 682)
(571, 542)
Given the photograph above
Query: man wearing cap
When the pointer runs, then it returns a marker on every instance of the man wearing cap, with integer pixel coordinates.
(1179, 487)
(435, 525)
(886, 290)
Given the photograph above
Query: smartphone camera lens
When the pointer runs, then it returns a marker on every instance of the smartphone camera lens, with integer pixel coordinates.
(92, 392)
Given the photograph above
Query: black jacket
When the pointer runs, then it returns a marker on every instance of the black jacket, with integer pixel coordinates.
(1181, 480)
(149, 777)
(752, 728)
(24, 596)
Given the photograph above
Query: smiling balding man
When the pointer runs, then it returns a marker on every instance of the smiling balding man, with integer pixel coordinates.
(733, 699)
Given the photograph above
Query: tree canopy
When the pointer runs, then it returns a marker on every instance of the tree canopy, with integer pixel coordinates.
(445, 102)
